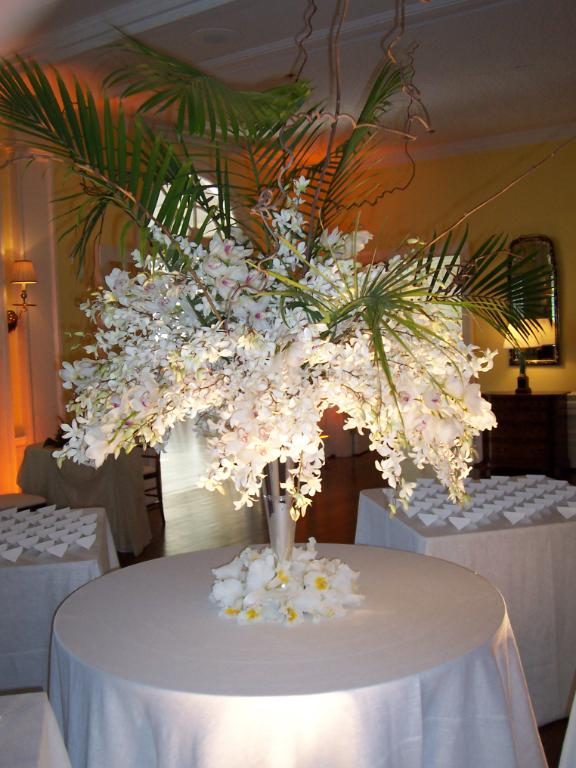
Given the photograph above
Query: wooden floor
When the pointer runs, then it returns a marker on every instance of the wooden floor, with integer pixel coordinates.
(197, 519)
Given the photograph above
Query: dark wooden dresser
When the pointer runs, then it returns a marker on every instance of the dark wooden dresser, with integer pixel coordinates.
(530, 436)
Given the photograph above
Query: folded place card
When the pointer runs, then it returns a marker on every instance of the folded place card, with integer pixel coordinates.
(567, 512)
(58, 549)
(460, 522)
(474, 516)
(8, 512)
(3, 545)
(444, 512)
(42, 546)
(28, 541)
(86, 541)
(90, 518)
(428, 517)
(70, 537)
(513, 515)
(11, 554)
(46, 509)
(87, 530)
(413, 509)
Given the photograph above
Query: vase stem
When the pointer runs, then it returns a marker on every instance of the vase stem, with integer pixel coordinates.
(277, 503)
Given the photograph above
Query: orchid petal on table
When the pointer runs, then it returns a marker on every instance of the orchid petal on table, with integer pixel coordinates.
(306, 587)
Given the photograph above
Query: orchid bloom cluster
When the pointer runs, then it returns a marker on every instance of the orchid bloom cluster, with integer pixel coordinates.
(256, 587)
(222, 344)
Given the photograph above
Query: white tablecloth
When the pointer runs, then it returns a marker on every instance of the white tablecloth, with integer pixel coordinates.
(117, 485)
(31, 589)
(568, 756)
(29, 734)
(534, 567)
(425, 674)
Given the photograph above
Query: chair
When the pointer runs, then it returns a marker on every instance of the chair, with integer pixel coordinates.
(152, 475)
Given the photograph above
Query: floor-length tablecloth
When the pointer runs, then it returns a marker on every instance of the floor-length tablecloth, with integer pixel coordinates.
(533, 566)
(118, 486)
(568, 755)
(31, 589)
(425, 674)
(29, 734)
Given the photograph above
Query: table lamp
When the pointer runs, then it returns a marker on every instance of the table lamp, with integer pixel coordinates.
(537, 337)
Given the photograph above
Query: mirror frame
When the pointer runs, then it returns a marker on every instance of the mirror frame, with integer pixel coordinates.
(542, 246)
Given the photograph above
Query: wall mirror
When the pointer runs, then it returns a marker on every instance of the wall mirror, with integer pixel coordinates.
(545, 349)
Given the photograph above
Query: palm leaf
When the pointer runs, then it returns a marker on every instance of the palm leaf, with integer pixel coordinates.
(203, 104)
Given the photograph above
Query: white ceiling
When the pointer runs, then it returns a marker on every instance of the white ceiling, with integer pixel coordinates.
(489, 71)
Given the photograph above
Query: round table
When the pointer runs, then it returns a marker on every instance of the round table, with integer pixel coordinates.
(144, 673)
(21, 501)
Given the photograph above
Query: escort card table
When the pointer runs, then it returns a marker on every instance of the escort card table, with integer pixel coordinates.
(145, 674)
(117, 485)
(520, 533)
(29, 734)
(44, 556)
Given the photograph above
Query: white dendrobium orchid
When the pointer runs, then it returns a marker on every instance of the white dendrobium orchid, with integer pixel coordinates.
(231, 346)
(307, 586)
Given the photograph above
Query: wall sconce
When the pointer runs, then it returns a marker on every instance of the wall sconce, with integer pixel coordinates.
(538, 337)
(22, 273)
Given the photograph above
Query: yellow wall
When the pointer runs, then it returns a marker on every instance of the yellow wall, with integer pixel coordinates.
(543, 203)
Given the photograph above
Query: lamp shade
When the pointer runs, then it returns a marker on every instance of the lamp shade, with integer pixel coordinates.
(538, 337)
(23, 272)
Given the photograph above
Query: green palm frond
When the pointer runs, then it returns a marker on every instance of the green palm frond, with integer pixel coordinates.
(202, 104)
(119, 161)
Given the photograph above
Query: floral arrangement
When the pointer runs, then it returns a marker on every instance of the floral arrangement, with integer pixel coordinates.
(258, 381)
(255, 587)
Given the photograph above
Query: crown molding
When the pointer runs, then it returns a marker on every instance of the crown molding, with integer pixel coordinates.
(103, 28)
(138, 16)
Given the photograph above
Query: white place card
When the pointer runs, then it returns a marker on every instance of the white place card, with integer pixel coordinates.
(428, 517)
(474, 516)
(42, 546)
(90, 518)
(28, 541)
(8, 512)
(87, 530)
(513, 516)
(46, 509)
(460, 522)
(567, 512)
(11, 554)
(86, 541)
(59, 550)
(70, 537)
